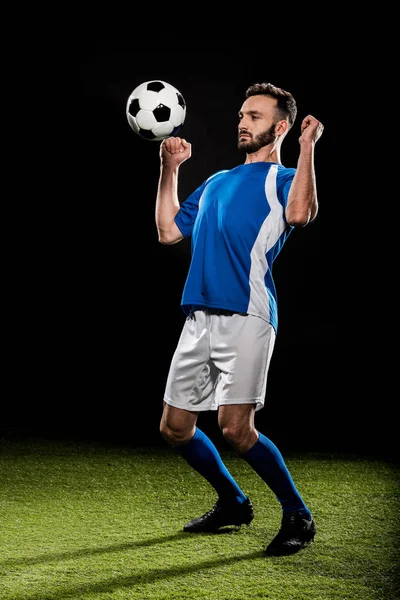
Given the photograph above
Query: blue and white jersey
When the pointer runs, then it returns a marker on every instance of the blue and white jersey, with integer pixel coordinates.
(237, 226)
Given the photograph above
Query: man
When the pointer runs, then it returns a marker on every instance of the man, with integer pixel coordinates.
(238, 221)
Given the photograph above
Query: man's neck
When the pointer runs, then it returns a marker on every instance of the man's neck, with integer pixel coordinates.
(266, 154)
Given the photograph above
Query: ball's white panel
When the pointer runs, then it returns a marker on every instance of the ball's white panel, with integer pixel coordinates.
(177, 115)
(162, 130)
(168, 97)
(138, 90)
(149, 100)
(145, 119)
(132, 122)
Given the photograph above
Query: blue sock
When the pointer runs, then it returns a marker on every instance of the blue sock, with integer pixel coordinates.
(201, 454)
(266, 460)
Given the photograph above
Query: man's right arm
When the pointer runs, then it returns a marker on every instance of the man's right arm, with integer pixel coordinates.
(173, 152)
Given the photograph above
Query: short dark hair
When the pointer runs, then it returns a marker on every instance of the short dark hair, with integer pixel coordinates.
(286, 104)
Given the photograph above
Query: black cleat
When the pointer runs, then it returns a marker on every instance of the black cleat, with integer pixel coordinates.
(220, 516)
(294, 534)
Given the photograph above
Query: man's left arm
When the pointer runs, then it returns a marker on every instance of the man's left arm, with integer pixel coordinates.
(302, 205)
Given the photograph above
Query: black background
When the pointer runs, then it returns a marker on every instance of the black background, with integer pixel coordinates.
(96, 340)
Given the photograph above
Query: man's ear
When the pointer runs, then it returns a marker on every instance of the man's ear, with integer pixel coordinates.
(281, 127)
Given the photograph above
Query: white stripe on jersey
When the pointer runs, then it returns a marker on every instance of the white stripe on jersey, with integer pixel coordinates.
(270, 232)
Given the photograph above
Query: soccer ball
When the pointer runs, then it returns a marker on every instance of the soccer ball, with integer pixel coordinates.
(156, 110)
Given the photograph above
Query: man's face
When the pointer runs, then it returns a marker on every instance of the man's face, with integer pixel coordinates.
(257, 120)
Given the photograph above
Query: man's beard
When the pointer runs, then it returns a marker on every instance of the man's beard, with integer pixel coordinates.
(262, 139)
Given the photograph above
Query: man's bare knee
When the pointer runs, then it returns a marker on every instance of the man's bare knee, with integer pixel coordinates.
(241, 439)
(175, 436)
(237, 425)
(234, 434)
(177, 426)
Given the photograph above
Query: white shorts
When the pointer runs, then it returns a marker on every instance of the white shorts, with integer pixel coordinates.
(221, 358)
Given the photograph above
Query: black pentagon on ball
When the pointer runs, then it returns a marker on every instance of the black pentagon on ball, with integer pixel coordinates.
(155, 86)
(161, 113)
(134, 107)
(181, 101)
(146, 134)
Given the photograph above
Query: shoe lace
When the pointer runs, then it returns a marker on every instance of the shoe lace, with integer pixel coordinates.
(292, 521)
(212, 510)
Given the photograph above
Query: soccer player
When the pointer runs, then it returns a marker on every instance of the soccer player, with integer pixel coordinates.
(238, 221)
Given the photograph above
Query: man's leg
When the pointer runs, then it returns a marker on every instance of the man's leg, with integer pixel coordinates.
(178, 428)
(237, 425)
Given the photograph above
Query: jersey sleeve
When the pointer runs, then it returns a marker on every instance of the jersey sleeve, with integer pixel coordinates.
(187, 213)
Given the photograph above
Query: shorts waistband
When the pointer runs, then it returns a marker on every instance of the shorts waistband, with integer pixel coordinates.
(216, 311)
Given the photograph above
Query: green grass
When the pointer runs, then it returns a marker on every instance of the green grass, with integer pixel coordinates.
(98, 522)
